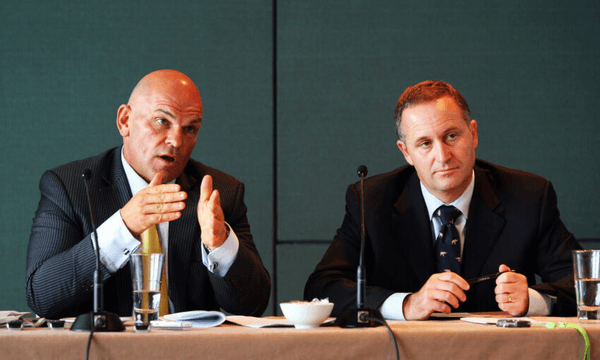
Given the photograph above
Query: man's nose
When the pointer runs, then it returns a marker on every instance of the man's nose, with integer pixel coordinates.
(442, 152)
(174, 137)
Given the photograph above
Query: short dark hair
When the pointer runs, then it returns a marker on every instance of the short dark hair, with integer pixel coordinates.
(426, 91)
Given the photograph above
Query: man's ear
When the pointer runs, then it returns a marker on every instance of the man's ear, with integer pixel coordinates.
(404, 150)
(474, 133)
(123, 119)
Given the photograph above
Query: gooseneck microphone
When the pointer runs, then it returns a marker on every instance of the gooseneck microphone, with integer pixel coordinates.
(98, 286)
(361, 316)
(361, 276)
(98, 319)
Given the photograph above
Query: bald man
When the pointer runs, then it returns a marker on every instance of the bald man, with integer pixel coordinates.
(199, 212)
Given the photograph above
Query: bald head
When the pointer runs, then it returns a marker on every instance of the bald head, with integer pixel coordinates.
(160, 124)
(171, 83)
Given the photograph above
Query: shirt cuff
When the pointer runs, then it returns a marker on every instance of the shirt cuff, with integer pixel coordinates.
(391, 309)
(220, 259)
(539, 304)
(115, 243)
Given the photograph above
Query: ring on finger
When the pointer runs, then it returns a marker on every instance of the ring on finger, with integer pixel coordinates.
(510, 298)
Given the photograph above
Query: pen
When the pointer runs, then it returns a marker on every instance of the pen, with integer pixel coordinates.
(475, 280)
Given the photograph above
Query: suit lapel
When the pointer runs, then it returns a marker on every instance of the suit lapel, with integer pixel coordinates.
(115, 191)
(411, 226)
(183, 235)
(484, 226)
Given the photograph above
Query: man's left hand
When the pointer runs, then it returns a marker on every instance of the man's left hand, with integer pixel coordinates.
(512, 292)
(210, 215)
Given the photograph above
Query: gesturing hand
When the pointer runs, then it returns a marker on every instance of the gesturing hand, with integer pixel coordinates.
(210, 215)
(439, 293)
(512, 292)
(154, 204)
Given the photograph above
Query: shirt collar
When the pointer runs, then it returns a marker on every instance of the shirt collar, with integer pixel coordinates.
(462, 203)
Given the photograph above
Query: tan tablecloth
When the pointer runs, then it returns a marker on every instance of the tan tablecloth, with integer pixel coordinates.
(432, 339)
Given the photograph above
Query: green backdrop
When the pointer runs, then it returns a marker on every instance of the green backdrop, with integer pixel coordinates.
(296, 95)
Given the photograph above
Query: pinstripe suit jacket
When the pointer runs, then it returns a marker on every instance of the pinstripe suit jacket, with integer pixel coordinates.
(61, 258)
(513, 219)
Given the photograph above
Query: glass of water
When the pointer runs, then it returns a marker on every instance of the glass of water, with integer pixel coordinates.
(586, 269)
(146, 272)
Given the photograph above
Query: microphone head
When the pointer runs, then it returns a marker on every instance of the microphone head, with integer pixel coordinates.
(362, 171)
(86, 174)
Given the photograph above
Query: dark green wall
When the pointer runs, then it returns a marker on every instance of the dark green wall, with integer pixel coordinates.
(528, 69)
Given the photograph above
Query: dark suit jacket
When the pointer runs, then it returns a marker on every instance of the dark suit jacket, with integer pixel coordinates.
(513, 219)
(61, 258)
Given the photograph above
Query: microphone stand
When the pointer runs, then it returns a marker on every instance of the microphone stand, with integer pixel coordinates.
(98, 319)
(361, 316)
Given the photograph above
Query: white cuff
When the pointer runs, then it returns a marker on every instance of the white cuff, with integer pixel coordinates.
(539, 304)
(220, 259)
(391, 308)
(115, 242)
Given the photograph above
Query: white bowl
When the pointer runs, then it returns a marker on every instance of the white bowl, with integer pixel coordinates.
(306, 315)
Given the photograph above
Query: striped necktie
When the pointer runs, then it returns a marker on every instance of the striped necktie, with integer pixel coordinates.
(151, 244)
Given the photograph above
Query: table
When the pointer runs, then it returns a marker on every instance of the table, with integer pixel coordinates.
(431, 339)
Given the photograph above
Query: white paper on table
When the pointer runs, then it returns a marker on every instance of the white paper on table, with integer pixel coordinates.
(264, 322)
(199, 318)
(493, 320)
(258, 322)
(7, 316)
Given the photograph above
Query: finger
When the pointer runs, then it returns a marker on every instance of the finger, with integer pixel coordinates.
(164, 197)
(506, 298)
(454, 278)
(162, 208)
(435, 305)
(442, 287)
(507, 288)
(154, 219)
(447, 290)
(441, 307)
(215, 202)
(512, 303)
(446, 297)
(512, 279)
(443, 292)
(156, 180)
(503, 268)
(512, 292)
(206, 188)
(160, 189)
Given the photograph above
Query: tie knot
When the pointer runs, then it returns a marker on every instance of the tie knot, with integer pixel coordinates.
(447, 214)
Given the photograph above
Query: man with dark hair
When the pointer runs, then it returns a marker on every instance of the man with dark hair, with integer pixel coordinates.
(150, 183)
(447, 217)
(428, 91)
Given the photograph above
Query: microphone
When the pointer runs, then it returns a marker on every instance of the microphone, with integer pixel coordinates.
(362, 172)
(97, 320)
(361, 276)
(361, 316)
(98, 286)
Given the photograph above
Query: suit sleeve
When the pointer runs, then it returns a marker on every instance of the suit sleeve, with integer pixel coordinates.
(246, 287)
(335, 276)
(60, 256)
(554, 261)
